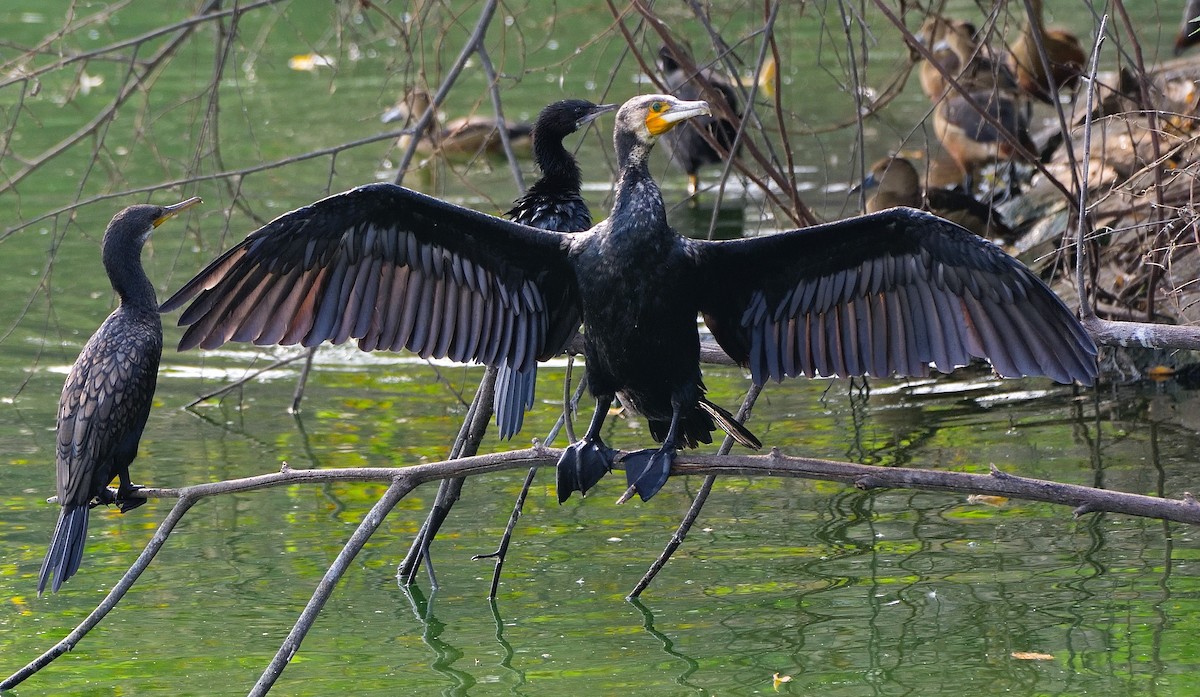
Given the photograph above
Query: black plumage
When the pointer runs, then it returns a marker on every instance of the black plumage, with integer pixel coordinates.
(106, 398)
(554, 202)
(688, 147)
(881, 294)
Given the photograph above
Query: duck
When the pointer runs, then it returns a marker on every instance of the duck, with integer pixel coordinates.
(971, 140)
(460, 139)
(894, 181)
(954, 47)
(1064, 53)
(888, 293)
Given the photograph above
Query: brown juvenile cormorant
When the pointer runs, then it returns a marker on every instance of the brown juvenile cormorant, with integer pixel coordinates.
(107, 395)
(882, 294)
(687, 146)
(554, 202)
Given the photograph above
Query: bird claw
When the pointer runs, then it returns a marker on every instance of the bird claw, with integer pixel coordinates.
(582, 465)
(646, 471)
(126, 503)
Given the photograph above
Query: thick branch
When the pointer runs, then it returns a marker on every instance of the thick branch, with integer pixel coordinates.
(774, 464)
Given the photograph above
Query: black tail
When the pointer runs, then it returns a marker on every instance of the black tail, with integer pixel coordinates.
(730, 424)
(514, 395)
(66, 547)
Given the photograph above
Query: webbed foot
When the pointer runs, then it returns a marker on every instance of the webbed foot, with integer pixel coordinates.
(125, 502)
(647, 470)
(582, 465)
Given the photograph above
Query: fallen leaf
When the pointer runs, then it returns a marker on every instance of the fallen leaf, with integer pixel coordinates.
(987, 500)
(1031, 656)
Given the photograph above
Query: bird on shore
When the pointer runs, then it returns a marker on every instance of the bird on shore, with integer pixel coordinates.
(554, 202)
(890, 293)
(459, 139)
(1064, 53)
(894, 181)
(107, 395)
(973, 141)
(956, 50)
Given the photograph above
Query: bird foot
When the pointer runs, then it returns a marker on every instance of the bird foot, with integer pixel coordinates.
(125, 502)
(582, 465)
(647, 470)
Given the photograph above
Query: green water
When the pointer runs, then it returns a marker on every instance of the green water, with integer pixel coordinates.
(846, 592)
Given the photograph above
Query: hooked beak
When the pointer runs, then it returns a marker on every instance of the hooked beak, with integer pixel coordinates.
(172, 211)
(673, 113)
(599, 110)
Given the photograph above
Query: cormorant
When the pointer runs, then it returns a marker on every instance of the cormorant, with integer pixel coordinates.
(888, 293)
(894, 181)
(107, 395)
(459, 139)
(1189, 29)
(686, 146)
(554, 202)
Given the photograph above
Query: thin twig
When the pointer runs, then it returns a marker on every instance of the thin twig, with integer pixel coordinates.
(399, 489)
(693, 512)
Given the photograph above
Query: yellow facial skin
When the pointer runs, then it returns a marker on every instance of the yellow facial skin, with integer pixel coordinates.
(663, 115)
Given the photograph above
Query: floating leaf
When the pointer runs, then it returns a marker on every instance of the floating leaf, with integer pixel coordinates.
(987, 500)
(1031, 656)
(309, 62)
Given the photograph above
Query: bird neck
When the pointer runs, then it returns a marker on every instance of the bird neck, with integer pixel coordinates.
(559, 168)
(123, 262)
(638, 205)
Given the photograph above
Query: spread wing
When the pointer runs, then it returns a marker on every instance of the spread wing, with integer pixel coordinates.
(882, 294)
(394, 269)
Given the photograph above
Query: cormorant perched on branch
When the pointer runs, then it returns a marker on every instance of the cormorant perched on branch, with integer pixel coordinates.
(107, 395)
(554, 202)
(881, 294)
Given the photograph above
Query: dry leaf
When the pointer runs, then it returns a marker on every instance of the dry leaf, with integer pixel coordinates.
(1031, 656)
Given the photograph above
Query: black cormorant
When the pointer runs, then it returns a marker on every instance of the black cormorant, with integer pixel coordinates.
(687, 146)
(107, 395)
(1189, 29)
(882, 294)
(554, 202)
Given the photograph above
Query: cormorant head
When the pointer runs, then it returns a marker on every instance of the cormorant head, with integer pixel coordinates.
(137, 222)
(563, 118)
(649, 116)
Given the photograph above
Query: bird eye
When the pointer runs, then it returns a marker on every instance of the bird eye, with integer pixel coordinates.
(657, 107)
